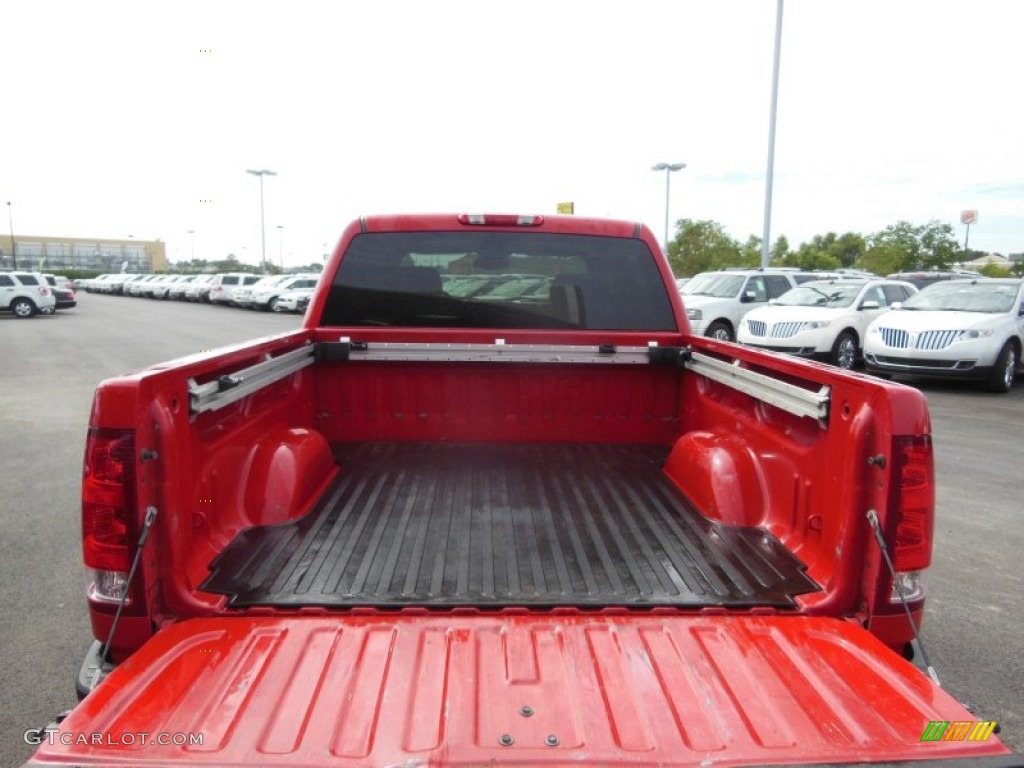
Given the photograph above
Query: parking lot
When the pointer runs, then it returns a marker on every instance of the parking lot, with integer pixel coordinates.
(51, 365)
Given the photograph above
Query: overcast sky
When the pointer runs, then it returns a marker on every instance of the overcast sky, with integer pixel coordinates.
(141, 118)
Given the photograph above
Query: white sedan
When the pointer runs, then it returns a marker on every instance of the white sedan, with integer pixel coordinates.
(824, 319)
(965, 329)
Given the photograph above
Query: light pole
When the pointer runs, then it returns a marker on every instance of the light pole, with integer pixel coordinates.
(263, 229)
(668, 168)
(14, 247)
(769, 179)
(192, 242)
(280, 245)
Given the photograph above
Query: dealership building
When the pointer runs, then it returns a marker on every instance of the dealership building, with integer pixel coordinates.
(51, 254)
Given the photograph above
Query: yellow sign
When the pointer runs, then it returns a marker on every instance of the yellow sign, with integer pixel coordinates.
(565, 208)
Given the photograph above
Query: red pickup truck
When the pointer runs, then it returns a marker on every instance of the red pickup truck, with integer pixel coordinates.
(494, 503)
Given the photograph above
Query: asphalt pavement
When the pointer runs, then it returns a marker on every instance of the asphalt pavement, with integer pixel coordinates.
(49, 367)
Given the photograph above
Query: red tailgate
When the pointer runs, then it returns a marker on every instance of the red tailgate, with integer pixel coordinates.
(359, 691)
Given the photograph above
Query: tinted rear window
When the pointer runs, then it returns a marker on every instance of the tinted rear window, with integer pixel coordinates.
(486, 279)
(27, 279)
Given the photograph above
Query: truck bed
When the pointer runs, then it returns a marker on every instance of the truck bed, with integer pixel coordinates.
(494, 525)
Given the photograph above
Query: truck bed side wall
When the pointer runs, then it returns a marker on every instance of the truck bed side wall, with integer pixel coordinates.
(256, 461)
(808, 482)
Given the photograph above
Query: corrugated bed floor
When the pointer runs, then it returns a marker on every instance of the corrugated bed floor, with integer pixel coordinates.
(492, 525)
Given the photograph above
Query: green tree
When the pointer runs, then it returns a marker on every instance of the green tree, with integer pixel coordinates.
(700, 246)
(750, 253)
(813, 255)
(939, 246)
(849, 248)
(780, 251)
(994, 270)
(904, 247)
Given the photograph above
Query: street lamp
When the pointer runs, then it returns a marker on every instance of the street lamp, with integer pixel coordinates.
(280, 245)
(769, 179)
(14, 247)
(668, 168)
(263, 229)
(192, 242)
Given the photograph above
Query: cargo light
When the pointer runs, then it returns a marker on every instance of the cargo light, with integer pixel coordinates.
(107, 489)
(499, 220)
(912, 532)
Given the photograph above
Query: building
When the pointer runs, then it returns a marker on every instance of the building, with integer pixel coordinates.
(995, 259)
(55, 253)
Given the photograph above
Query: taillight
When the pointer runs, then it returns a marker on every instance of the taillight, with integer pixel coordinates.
(499, 220)
(912, 513)
(44, 291)
(107, 502)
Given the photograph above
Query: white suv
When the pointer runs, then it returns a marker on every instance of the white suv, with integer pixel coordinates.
(823, 319)
(25, 293)
(717, 301)
(265, 297)
(223, 286)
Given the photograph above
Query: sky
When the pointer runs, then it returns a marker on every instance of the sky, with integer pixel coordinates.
(141, 118)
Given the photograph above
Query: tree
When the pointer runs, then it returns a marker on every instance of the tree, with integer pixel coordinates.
(813, 255)
(750, 253)
(700, 246)
(939, 246)
(780, 250)
(849, 248)
(994, 270)
(903, 247)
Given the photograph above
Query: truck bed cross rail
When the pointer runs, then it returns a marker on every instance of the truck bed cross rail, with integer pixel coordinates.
(232, 387)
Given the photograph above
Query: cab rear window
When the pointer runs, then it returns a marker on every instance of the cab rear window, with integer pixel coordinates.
(499, 280)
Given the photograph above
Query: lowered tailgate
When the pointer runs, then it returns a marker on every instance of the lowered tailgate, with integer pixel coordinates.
(346, 690)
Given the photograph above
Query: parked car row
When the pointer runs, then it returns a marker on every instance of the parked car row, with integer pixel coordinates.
(277, 293)
(25, 294)
(823, 319)
(953, 327)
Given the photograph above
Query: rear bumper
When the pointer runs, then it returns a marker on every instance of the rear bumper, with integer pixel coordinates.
(92, 672)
